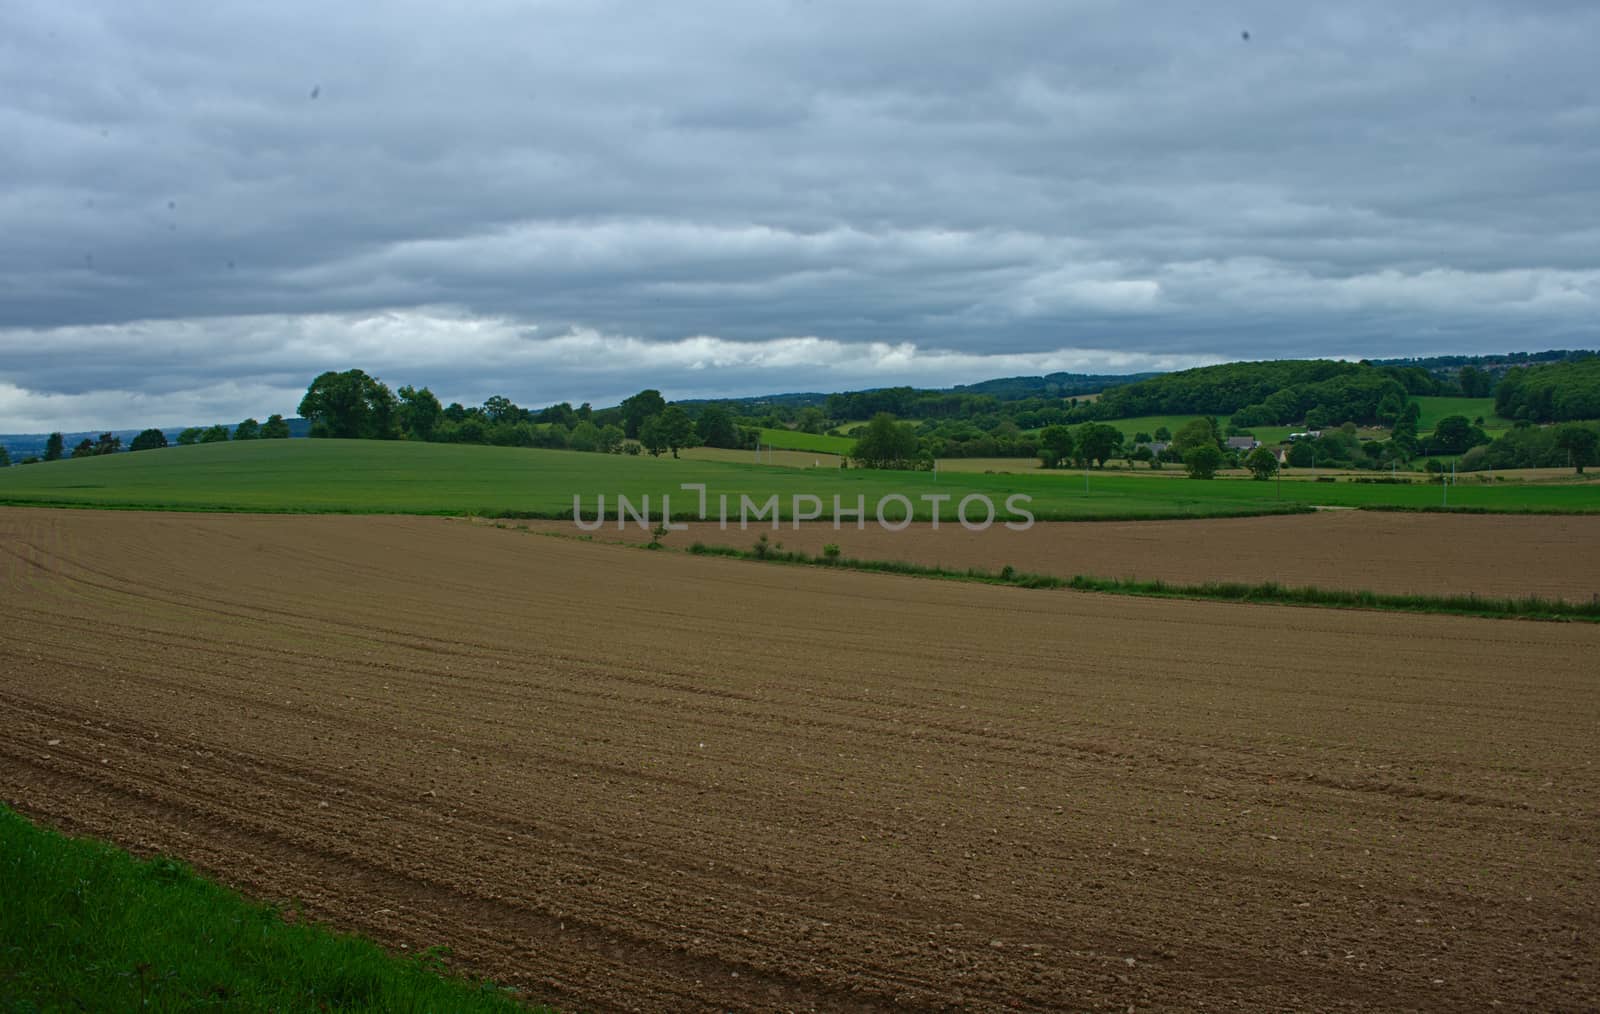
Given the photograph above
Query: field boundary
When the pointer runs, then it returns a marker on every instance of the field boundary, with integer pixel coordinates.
(950, 515)
(1532, 607)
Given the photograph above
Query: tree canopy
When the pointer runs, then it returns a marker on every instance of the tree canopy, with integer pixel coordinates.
(1559, 392)
(886, 444)
(148, 440)
(350, 405)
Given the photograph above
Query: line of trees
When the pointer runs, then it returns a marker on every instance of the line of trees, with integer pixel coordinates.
(1573, 445)
(353, 405)
(1559, 392)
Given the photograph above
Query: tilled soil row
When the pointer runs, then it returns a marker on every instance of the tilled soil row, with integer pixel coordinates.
(644, 781)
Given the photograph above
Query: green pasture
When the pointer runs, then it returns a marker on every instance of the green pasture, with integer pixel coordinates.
(382, 477)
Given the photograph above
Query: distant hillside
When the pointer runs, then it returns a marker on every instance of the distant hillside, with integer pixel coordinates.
(1446, 367)
(31, 445)
(1052, 385)
(1274, 391)
(1557, 392)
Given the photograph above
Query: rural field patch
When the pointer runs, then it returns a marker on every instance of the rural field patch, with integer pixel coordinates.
(650, 780)
(1509, 556)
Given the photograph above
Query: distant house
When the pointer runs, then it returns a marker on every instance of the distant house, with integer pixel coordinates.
(1307, 435)
(1243, 443)
(1157, 446)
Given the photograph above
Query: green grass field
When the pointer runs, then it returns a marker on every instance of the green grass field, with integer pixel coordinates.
(85, 926)
(794, 440)
(377, 477)
(1434, 409)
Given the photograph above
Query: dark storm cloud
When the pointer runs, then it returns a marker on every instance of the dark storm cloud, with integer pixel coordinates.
(203, 205)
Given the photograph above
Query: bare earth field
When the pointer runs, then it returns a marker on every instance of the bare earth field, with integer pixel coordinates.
(631, 780)
(1439, 554)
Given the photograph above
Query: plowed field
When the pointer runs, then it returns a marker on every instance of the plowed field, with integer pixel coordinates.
(631, 780)
(1431, 554)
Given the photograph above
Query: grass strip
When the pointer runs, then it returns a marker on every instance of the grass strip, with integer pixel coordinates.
(1443, 509)
(510, 514)
(86, 926)
(1531, 607)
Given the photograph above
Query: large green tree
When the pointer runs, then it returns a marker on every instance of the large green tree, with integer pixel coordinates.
(653, 435)
(148, 440)
(275, 428)
(717, 428)
(886, 444)
(1195, 433)
(1262, 463)
(5, 457)
(637, 409)
(350, 405)
(1579, 442)
(420, 412)
(1202, 461)
(53, 447)
(677, 429)
(1455, 434)
(249, 429)
(1097, 442)
(1056, 444)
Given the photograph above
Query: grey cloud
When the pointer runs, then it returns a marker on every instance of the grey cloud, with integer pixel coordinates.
(1011, 179)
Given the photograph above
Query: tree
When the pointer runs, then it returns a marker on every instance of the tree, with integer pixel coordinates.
(1580, 442)
(275, 428)
(1195, 433)
(1097, 442)
(1263, 464)
(1056, 444)
(812, 420)
(1404, 434)
(886, 444)
(677, 429)
(85, 449)
(5, 457)
(1203, 461)
(653, 436)
(247, 430)
(637, 409)
(1163, 434)
(1390, 407)
(1476, 383)
(584, 437)
(611, 439)
(561, 415)
(53, 447)
(1302, 454)
(148, 440)
(1454, 435)
(190, 436)
(420, 412)
(500, 409)
(217, 434)
(716, 427)
(349, 406)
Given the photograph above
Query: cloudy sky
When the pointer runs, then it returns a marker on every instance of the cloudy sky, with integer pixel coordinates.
(204, 204)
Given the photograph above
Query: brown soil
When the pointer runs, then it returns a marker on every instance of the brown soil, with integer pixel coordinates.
(1435, 554)
(631, 780)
